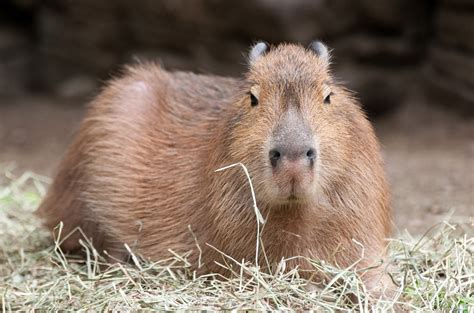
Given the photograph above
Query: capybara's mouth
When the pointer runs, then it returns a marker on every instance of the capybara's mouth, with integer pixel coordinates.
(292, 192)
(291, 201)
(290, 198)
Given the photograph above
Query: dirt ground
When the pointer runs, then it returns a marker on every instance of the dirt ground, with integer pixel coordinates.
(429, 154)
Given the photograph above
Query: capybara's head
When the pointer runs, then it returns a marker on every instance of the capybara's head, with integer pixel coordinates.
(292, 127)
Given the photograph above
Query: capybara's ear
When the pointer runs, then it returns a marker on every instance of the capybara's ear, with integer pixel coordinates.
(258, 50)
(320, 49)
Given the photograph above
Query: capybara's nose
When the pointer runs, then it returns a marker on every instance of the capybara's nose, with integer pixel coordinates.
(294, 153)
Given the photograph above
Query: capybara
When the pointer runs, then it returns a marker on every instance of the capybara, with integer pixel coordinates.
(142, 168)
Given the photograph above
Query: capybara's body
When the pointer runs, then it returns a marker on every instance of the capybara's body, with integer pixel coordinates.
(141, 170)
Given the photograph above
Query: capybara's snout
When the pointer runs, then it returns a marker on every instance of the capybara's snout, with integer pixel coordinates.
(292, 155)
(296, 154)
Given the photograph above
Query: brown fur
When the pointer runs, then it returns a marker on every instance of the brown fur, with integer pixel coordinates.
(142, 167)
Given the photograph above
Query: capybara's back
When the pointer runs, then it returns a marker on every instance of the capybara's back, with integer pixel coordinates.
(134, 173)
(141, 170)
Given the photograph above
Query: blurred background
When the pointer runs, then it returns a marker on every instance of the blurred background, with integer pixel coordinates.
(410, 62)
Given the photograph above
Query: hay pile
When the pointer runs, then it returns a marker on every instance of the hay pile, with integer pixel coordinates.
(433, 272)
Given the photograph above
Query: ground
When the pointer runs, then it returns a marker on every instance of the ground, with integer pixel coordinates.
(429, 154)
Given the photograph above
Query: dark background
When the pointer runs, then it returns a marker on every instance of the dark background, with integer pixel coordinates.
(382, 48)
(410, 62)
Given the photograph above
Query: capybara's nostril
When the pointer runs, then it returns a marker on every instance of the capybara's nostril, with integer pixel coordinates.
(311, 154)
(274, 155)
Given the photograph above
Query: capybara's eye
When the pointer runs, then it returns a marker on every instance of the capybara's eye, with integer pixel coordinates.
(327, 100)
(254, 94)
(253, 100)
